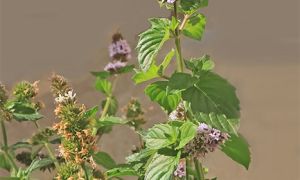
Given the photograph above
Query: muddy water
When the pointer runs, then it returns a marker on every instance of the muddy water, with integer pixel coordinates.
(255, 44)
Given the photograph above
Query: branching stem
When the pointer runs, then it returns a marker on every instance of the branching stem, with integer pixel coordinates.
(179, 59)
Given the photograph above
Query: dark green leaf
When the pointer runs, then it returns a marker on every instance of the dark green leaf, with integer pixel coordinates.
(105, 160)
(187, 133)
(121, 171)
(219, 122)
(160, 135)
(91, 113)
(212, 93)
(10, 178)
(161, 167)
(19, 145)
(103, 85)
(191, 6)
(151, 41)
(158, 92)
(237, 149)
(144, 153)
(24, 111)
(113, 106)
(101, 74)
(180, 81)
(195, 27)
(200, 65)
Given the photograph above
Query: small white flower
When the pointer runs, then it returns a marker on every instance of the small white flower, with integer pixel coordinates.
(70, 95)
(60, 99)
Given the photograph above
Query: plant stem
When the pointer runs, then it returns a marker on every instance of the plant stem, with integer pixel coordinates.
(199, 169)
(187, 165)
(86, 174)
(51, 155)
(179, 59)
(5, 148)
(109, 98)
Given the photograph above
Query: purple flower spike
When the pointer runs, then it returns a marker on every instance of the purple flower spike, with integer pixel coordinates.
(181, 170)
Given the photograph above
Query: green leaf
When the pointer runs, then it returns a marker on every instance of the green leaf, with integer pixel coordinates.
(220, 122)
(113, 106)
(154, 71)
(161, 167)
(200, 65)
(38, 163)
(191, 6)
(151, 41)
(4, 163)
(121, 171)
(125, 69)
(159, 93)
(195, 26)
(104, 86)
(144, 153)
(105, 160)
(160, 135)
(21, 144)
(110, 121)
(187, 133)
(237, 148)
(212, 93)
(23, 111)
(101, 74)
(180, 81)
(10, 178)
(91, 113)
(142, 76)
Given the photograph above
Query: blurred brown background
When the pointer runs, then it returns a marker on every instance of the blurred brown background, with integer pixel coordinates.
(255, 45)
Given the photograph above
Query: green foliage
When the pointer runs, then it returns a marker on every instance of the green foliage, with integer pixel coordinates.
(237, 149)
(154, 71)
(181, 81)
(37, 164)
(4, 162)
(113, 106)
(152, 40)
(159, 92)
(212, 93)
(200, 65)
(191, 6)
(103, 86)
(160, 136)
(101, 74)
(90, 113)
(121, 171)
(110, 121)
(23, 111)
(194, 28)
(161, 167)
(220, 122)
(187, 133)
(105, 160)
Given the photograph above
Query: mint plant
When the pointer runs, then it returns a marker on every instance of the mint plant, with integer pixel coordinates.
(202, 110)
(202, 106)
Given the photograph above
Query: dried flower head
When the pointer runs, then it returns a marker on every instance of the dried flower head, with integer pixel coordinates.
(206, 140)
(179, 113)
(3, 94)
(134, 113)
(25, 90)
(59, 85)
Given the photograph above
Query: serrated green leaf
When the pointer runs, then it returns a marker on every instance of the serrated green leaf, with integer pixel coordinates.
(110, 121)
(125, 69)
(101, 74)
(144, 153)
(195, 26)
(38, 163)
(23, 111)
(113, 106)
(121, 171)
(154, 71)
(191, 6)
(103, 85)
(19, 145)
(160, 135)
(200, 65)
(180, 81)
(151, 41)
(187, 133)
(105, 160)
(162, 167)
(220, 122)
(237, 149)
(212, 93)
(158, 92)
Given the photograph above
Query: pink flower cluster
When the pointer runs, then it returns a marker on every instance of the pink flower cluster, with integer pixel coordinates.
(180, 170)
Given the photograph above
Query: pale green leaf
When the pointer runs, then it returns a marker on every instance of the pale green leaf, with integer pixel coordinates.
(195, 26)
(105, 160)
(113, 106)
(187, 133)
(103, 85)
